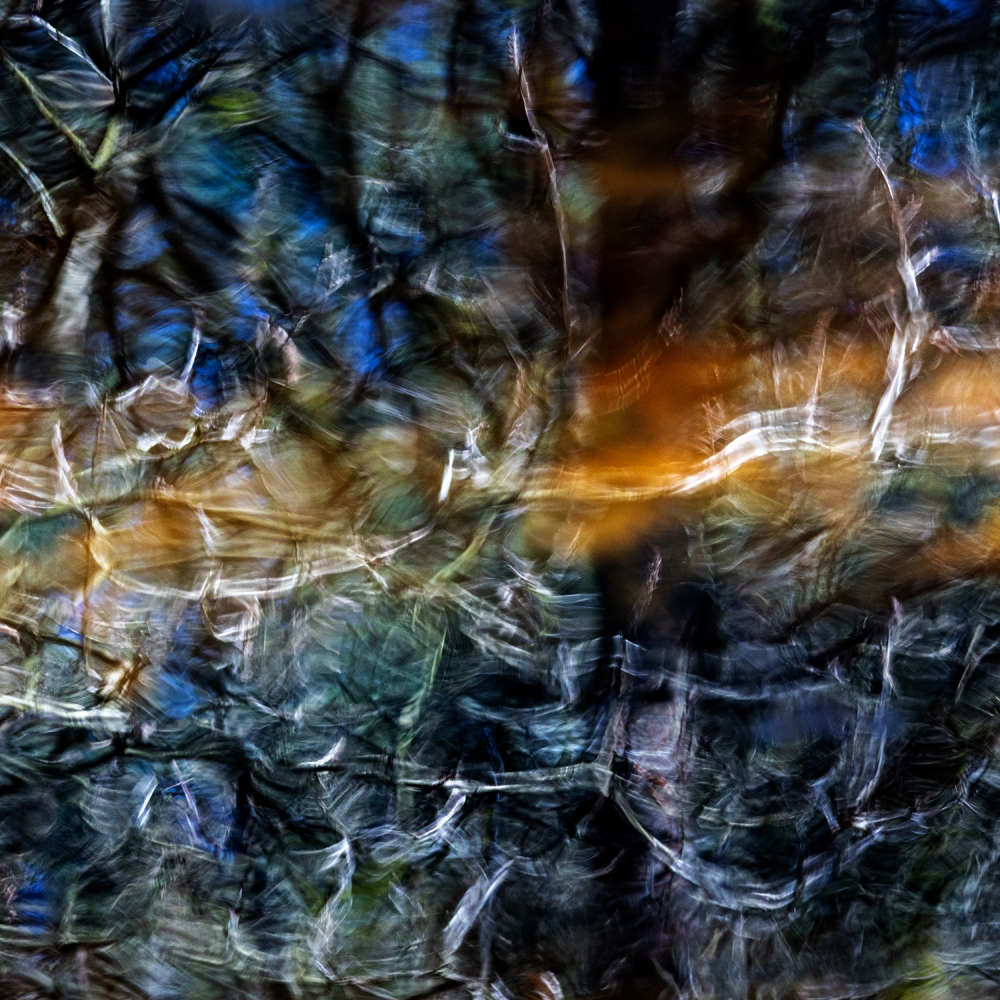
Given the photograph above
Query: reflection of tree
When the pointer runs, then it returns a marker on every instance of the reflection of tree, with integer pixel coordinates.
(798, 243)
(302, 287)
(201, 128)
(97, 185)
(300, 648)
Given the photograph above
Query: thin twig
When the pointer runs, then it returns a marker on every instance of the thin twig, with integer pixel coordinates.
(546, 150)
(36, 185)
(47, 113)
(64, 40)
(99, 160)
(909, 336)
